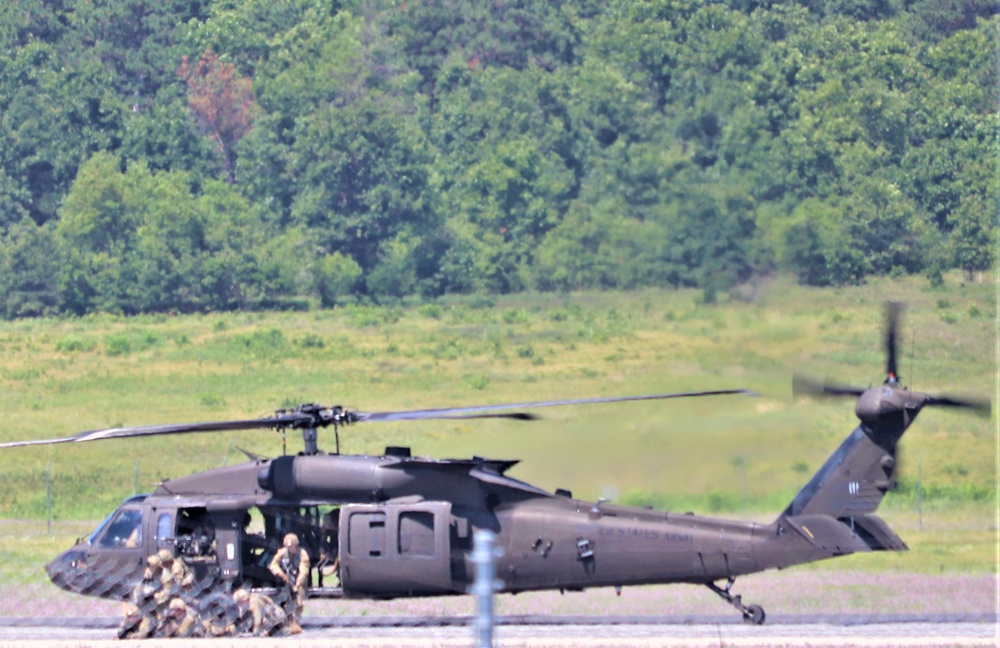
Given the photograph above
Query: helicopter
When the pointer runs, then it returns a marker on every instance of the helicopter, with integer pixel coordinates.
(399, 525)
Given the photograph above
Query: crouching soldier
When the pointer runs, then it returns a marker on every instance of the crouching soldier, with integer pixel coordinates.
(129, 627)
(148, 605)
(181, 621)
(258, 615)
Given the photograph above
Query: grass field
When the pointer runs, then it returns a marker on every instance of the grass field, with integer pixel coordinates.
(729, 455)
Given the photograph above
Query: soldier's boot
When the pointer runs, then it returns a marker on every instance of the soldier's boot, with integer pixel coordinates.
(294, 627)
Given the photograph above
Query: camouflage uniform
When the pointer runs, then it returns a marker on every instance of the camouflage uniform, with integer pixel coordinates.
(130, 625)
(291, 565)
(149, 600)
(176, 577)
(181, 621)
(259, 615)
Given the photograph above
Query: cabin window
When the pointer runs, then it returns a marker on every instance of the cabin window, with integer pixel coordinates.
(164, 526)
(125, 531)
(416, 533)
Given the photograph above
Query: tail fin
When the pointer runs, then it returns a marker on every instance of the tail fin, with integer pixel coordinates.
(852, 482)
(839, 500)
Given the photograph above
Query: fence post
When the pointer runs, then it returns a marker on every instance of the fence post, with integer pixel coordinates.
(48, 499)
(484, 555)
(920, 509)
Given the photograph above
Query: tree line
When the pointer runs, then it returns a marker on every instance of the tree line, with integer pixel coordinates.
(190, 155)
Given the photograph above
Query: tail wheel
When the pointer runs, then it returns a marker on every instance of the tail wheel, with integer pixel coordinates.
(753, 614)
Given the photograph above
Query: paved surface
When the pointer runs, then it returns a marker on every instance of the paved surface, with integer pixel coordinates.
(839, 630)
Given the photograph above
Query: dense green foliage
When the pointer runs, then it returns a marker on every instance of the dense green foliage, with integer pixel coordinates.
(190, 155)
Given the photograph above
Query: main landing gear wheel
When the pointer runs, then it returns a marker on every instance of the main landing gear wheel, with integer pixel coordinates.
(753, 614)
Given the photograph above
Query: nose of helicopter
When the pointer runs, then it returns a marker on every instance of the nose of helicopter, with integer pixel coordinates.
(66, 569)
(82, 571)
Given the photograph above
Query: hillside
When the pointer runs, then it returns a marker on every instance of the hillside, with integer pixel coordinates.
(197, 156)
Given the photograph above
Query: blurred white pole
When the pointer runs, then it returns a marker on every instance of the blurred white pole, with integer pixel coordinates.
(484, 556)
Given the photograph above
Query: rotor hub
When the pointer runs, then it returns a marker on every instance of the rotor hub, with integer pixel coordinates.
(878, 404)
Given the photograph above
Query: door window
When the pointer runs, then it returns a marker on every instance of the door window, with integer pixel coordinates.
(164, 527)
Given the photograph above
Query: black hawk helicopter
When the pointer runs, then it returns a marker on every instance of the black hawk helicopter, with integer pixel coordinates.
(402, 526)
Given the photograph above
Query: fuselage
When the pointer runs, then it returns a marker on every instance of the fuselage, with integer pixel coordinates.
(403, 526)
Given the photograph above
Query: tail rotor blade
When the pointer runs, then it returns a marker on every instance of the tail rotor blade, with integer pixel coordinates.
(980, 407)
(805, 386)
(893, 312)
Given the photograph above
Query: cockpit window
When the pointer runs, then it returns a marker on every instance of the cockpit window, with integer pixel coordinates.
(125, 531)
(92, 538)
(100, 527)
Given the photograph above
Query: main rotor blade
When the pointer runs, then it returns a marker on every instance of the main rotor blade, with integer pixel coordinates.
(316, 416)
(465, 412)
(892, 313)
(156, 430)
(183, 428)
(16, 444)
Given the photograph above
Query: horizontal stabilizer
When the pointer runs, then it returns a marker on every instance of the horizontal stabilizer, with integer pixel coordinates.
(827, 533)
(876, 533)
(846, 535)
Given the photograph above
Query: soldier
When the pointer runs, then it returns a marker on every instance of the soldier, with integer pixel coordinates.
(149, 600)
(130, 625)
(291, 566)
(259, 615)
(176, 577)
(181, 621)
(145, 589)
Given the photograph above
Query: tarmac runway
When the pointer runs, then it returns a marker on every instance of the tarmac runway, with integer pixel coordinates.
(556, 632)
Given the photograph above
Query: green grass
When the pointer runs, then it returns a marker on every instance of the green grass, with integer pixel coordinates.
(25, 546)
(732, 455)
